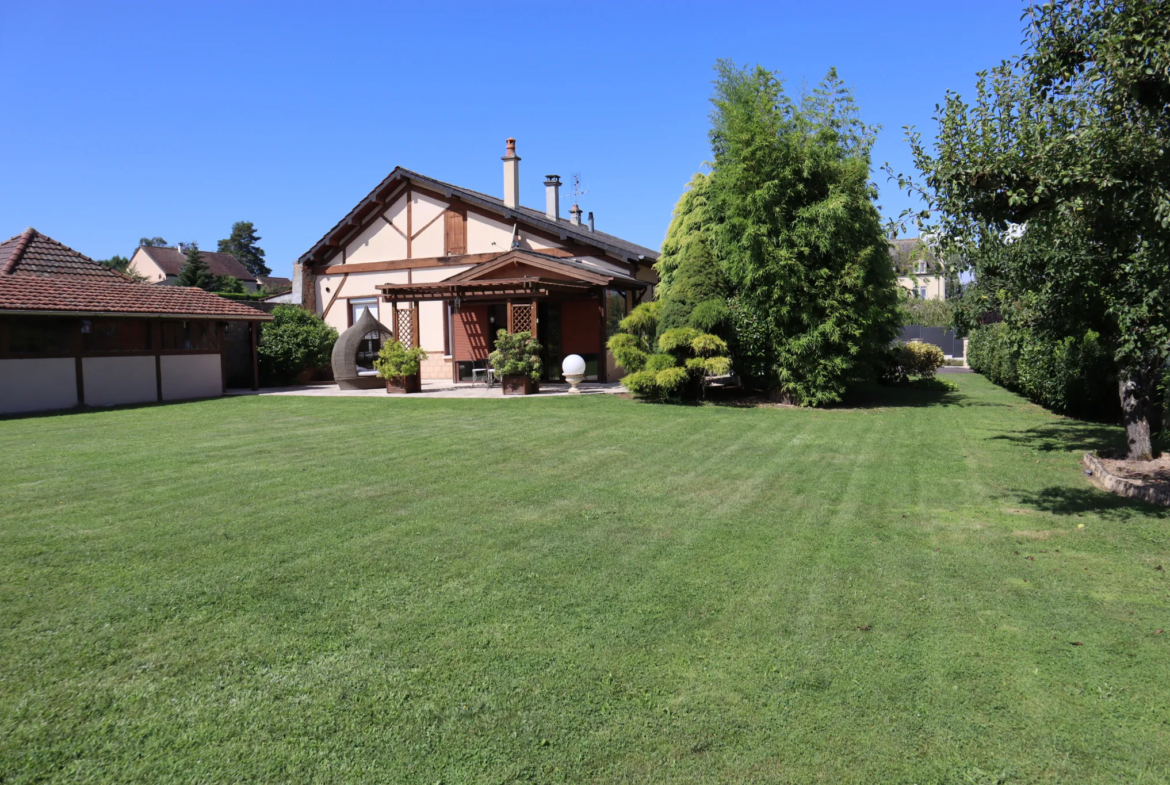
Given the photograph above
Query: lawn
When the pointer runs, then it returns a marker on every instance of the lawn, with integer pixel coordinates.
(577, 590)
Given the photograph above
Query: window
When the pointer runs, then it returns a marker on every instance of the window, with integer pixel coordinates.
(116, 335)
(40, 336)
(358, 307)
(921, 292)
(921, 268)
(189, 336)
(615, 310)
(455, 233)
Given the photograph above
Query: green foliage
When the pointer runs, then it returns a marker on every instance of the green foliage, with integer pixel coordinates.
(295, 340)
(791, 218)
(628, 350)
(227, 284)
(517, 354)
(696, 281)
(153, 242)
(1073, 376)
(195, 271)
(707, 345)
(244, 245)
(914, 358)
(1053, 182)
(395, 360)
(712, 316)
(686, 227)
(928, 313)
(119, 263)
(709, 366)
(677, 340)
(642, 321)
(660, 362)
(663, 384)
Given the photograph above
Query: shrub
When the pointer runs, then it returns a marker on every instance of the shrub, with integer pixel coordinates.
(1073, 376)
(295, 340)
(395, 360)
(677, 339)
(517, 354)
(660, 362)
(628, 350)
(912, 359)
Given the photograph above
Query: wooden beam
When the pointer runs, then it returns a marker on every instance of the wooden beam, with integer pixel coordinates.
(409, 220)
(158, 359)
(220, 335)
(333, 299)
(428, 224)
(254, 328)
(406, 264)
(602, 359)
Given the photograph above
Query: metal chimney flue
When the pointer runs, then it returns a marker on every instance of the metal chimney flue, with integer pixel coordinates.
(552, 197)
(591, 220)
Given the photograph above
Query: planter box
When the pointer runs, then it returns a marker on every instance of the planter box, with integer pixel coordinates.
(518, 385)
(401, 385)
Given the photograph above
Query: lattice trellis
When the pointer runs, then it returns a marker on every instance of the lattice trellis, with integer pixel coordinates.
(522, 321)
(405, 331)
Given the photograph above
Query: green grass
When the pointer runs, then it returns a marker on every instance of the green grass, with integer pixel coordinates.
(577, 590)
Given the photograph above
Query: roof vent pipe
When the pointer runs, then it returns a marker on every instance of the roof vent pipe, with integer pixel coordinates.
(575, 215)
(552, 197)
(511, 176)
(591, 220)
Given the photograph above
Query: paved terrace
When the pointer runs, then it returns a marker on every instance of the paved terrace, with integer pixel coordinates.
(433, 389)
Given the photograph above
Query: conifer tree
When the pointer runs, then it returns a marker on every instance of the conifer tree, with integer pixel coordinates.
(243, 244)
(195, 271)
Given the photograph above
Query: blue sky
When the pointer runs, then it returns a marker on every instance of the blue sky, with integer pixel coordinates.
(176, 119)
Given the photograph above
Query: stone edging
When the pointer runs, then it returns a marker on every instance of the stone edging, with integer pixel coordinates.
(1097, 474)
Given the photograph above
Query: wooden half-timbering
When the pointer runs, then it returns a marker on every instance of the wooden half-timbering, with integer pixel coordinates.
(405, 324)
(522, 317)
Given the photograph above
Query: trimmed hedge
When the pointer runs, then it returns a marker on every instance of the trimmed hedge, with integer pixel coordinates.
(1074, 376)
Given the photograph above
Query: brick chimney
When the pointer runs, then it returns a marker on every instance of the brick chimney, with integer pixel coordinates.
(511, 175)
(552, 196)
(575, 215)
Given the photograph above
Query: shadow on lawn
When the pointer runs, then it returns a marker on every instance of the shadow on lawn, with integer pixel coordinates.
(1090, 500)
(1067, 436)
(880, 396)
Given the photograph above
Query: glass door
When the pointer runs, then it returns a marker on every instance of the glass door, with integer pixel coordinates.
(548, 332)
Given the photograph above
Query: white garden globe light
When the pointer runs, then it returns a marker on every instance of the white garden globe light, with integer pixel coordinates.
(573, 368)
(573, 365)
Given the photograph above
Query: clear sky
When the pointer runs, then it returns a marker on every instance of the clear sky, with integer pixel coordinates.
(177, 118)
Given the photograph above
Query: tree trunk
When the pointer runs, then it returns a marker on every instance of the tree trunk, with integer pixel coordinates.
(1134, 406)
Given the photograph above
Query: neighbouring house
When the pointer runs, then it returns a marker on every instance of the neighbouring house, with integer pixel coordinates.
(274, 284)
(445, 268)
(163, 265)
(76, 333)
(919, 271)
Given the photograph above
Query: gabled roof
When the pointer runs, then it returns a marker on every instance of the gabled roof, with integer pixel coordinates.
(171, 261)
(572, 267)
(275, 283)
(31, 253)
(88, 296)
(606, 243)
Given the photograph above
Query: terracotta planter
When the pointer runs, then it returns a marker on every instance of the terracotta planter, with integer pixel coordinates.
(518, 385)
(401, 385)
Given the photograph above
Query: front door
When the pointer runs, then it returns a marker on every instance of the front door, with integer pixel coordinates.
(548, 325)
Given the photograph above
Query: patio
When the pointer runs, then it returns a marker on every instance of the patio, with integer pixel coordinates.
(432, 388)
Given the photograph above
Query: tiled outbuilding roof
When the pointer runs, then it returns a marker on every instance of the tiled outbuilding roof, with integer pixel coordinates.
(275, 283)
(171, 261)
(31, 253)
(83, 296)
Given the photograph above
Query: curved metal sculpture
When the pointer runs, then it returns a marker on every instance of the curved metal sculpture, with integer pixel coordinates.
(354, 353)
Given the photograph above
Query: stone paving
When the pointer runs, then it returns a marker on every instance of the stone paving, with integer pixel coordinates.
(433, 389)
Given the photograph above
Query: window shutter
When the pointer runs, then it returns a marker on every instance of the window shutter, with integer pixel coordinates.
(455, 223)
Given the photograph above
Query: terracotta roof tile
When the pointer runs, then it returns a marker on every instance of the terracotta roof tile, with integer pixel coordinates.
(171, 261)
(81, 295)
(31, 253)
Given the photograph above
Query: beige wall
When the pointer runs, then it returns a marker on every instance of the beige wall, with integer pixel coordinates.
(935, 285)
(37, 384)
(115, 380)
(191, 376)
(145, 266)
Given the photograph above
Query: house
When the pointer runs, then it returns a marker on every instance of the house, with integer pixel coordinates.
(163, 265)
(919, 271)
(445, 267)
(76, 333)
(274, 284)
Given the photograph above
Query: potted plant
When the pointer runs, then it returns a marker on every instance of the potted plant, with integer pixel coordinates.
(516, 362)
(399, 367)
